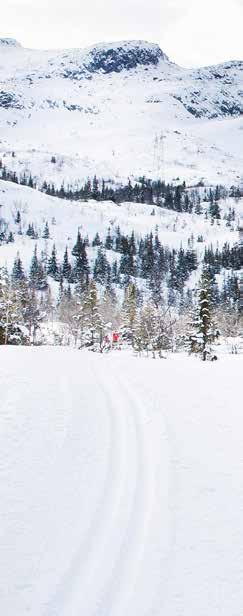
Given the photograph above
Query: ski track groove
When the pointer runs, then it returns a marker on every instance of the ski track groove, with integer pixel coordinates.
(81, 571)
(126, 509)
(127, 567)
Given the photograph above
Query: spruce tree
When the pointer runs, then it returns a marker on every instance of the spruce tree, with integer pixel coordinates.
(52, 268)
(109, 240)
(17, 272)
(101, 267)
(46, 232)
(94, 326)
(66, 267)
(34, 269)
(129, 314)
(37, 275)
(203, 332)
(12, 325)
(96, 240)
(78, 247)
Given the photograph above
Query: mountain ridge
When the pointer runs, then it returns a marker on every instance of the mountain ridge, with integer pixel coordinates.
(119, 109)
(8, 43)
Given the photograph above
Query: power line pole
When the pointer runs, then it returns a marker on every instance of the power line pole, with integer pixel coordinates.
(159, 156)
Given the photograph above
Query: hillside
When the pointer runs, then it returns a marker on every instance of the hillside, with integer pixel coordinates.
(65, 218)
(119, 110)
(26, 213)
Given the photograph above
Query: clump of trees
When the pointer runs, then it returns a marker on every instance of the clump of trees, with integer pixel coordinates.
(20, 311)
(90, 306)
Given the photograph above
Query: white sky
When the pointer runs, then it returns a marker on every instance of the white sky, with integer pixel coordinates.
(192, 33)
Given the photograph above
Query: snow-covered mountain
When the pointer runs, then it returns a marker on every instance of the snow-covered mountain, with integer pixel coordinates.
(118, 110)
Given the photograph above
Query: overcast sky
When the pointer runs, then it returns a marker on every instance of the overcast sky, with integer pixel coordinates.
(191, 32)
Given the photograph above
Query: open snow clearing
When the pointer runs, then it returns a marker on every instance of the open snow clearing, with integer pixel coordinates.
(120, 485)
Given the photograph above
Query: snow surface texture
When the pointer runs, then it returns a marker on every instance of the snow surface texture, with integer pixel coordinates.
(100, 110)
(119, 494)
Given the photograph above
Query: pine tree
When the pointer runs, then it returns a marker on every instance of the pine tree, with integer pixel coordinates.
(95, 188)
(118, 247)
(88, 189)
(202, 331)
(78, 247)
(66, 267)
(132, 244)
(101, 267)
(96, 240)
(18, 217)
(81, 270)
(12, 325)
(10, 239)
(31, 231)
(46, 232)
(52, 268)
(30, 309)
(17, 272)
(94, 325)
(34, 268)
(127, 265)
(109, 240)
(37, 273)
(214, 210)
(129, 314)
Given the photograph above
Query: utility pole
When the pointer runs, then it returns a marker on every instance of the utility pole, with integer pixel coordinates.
(159, 156)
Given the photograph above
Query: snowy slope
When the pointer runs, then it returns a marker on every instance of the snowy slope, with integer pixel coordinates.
(117, 496)
(101, 110)
(65, 218)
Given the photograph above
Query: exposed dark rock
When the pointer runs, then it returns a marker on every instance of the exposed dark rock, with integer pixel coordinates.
(199, 106)
(9, 42)
(117, 58)
(8, 100)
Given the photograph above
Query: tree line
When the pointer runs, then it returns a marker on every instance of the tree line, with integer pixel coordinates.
(177, 197)
(87, 318)
(121, 258)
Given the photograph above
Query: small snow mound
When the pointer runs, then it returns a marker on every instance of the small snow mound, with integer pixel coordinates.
(9, 43)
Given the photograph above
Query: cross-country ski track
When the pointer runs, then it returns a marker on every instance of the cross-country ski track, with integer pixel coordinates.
(121, 485)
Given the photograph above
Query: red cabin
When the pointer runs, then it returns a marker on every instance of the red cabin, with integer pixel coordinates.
(115, 337)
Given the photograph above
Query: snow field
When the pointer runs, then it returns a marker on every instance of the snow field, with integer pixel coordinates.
(121, 485)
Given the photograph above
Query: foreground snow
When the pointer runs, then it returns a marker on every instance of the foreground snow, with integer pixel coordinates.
(121, 485)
